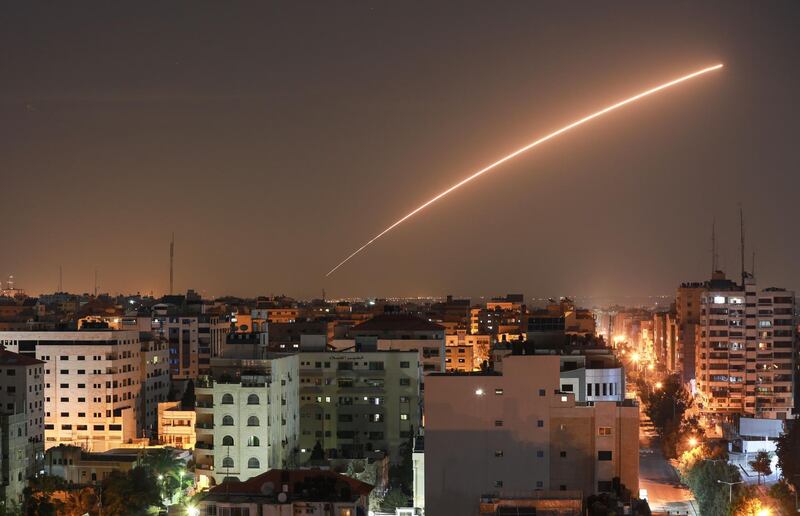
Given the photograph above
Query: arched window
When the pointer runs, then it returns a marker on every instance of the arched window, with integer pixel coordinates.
(253, 441)
(227, 399)
(253, 463)
(227, 441)
(227, 462)
(251, 421)
(252, 399)
(227, 421)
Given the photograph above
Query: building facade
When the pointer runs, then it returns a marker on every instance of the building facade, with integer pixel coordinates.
(193, 341)
(745, 353)
(514, 432)
(357, 404)
(247, 417)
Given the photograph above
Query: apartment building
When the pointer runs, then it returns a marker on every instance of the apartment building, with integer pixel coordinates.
(193, 339)
(459, 357)
(503, 434)
(155, 382)
(92, 384)
(746, 342)
(176, 427)
(247, 417)
(687, 319)
(404, 332)
(358, 403)
(21, 421)
(480, 344)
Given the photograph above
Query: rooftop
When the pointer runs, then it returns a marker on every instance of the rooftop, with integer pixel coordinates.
(9, 358)
(397, 322)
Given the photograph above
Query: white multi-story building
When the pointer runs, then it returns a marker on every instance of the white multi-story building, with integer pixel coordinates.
(745, 353)
(247, 417)
(358, 403)
(22, 423)
(92, 385)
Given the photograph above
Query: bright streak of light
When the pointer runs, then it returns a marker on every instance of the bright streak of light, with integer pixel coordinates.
(527, 148)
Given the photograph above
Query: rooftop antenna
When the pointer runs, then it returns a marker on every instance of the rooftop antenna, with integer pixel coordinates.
(171, 263)
(60, 279)
(741, 237)
(714, 255)
(753, 266)
(95, 282)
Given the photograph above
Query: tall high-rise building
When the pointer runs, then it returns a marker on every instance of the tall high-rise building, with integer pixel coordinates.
(746, 341)
(687, 317)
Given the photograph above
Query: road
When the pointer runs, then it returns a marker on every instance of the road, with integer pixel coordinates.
(665, 494)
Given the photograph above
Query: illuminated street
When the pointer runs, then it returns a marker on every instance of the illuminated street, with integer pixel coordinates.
(664, 492)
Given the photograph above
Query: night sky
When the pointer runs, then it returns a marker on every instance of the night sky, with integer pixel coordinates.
(274, 140)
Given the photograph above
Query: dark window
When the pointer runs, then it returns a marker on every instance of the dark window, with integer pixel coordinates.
(604, 455)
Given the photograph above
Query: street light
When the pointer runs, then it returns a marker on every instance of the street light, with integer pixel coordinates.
(730, 488)
(659, 385)
(764, 512)
(693, 441)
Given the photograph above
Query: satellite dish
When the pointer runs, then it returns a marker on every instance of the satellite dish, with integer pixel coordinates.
(267, 488)
(282, 497)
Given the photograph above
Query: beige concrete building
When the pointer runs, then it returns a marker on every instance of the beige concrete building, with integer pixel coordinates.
(78, 466)
(247, 417)
(745, 350)
(92, 385)
(176, 426)
(687, 317)
(403, 332)
(481, 345)
(15, 461)
(503, 434)
(459, 358)
(358, 403)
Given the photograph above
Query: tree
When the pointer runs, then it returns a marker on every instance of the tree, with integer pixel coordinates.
(703, 479)
(133, 492)
(394, 498)
(79, 502)
(36, 496)
(317, 453)
(666, 405)
(762, 464)
(188, 399)
(788, 452)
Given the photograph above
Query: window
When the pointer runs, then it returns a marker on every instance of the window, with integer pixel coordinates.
(563, 455)
(253, 441)
(539, 483)
(540, 423)
(539, 454)
(227, 441)
(404, 417)
(498, 422)
(227, 462)
(498, 483)
(542, 392)
(227, 421)
(405, 365)
(604, 455)
(405, 381)
(227, 399)
(604, 431)
(376, 366)
(253, 463)
(498, 453)
(252, 399)
(252, 421)
(498, 392)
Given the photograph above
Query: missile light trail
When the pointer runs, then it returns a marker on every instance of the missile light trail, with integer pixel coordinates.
(526, 148)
